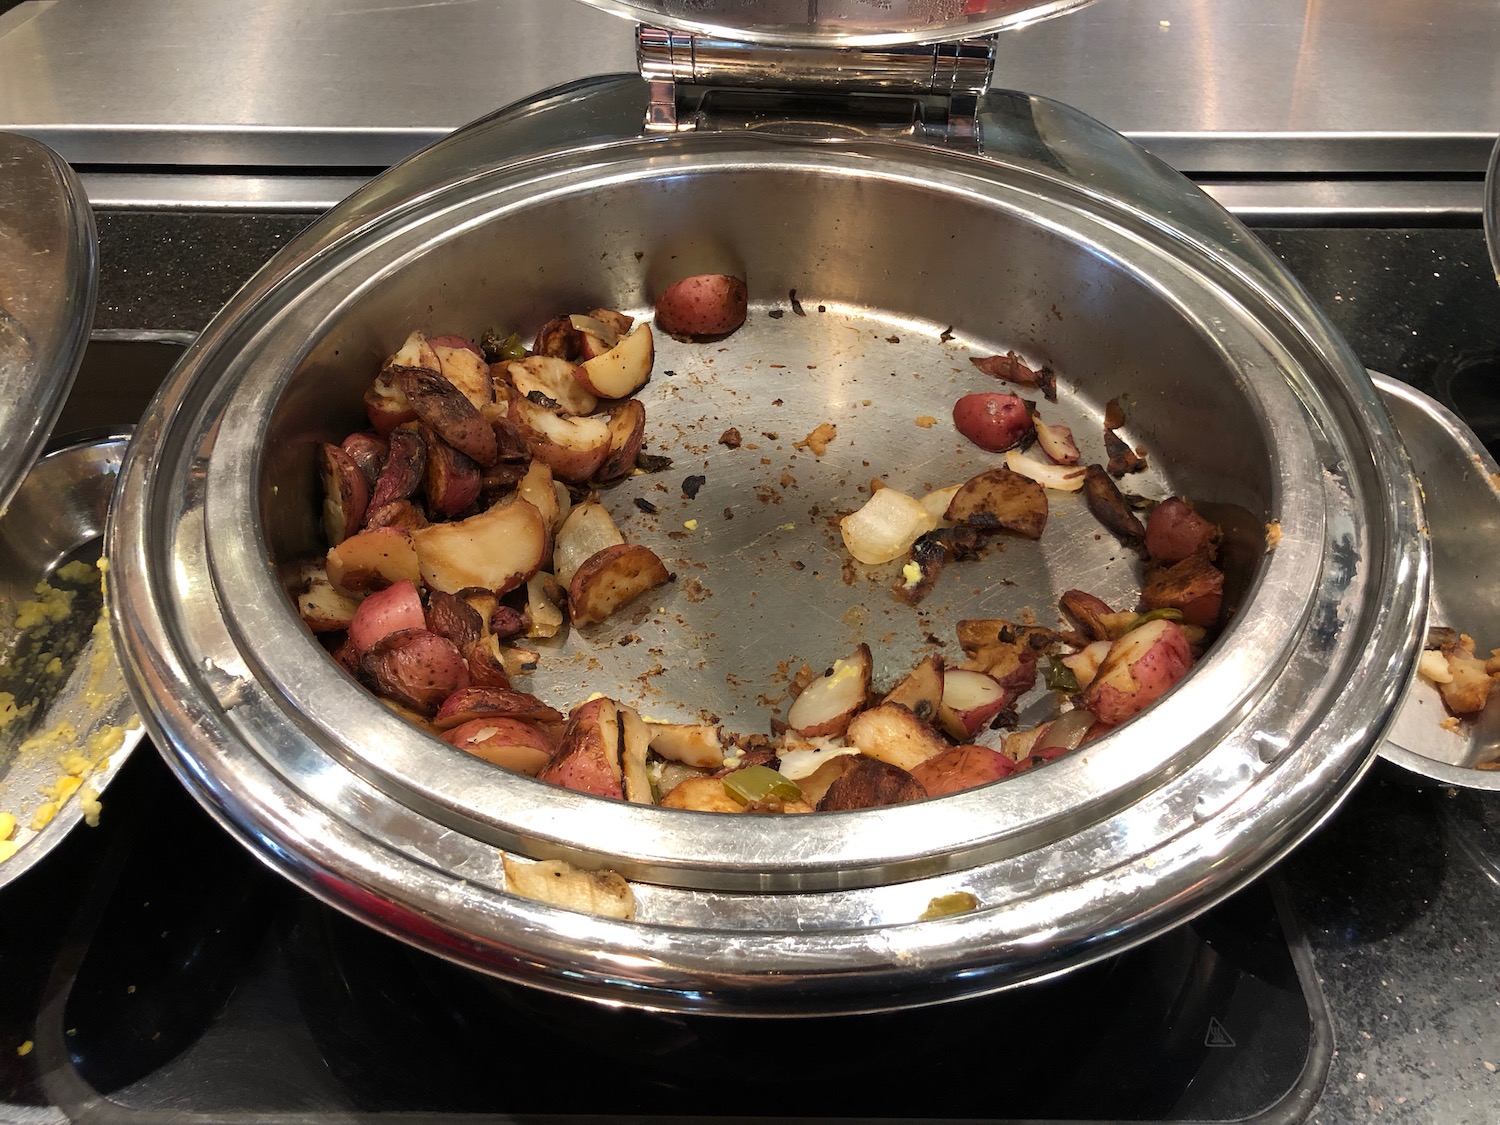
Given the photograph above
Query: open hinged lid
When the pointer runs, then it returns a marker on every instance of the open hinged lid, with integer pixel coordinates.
(839, 23)
(48, 278)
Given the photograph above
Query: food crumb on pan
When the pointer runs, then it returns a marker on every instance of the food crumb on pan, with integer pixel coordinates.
(926, 421)
(1273, 535)
(817, 441)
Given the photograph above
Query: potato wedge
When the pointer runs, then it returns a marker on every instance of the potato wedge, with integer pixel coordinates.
(1000, 500)
(588, 756)
(828, 703)
(445, 410)
(962, 767)
(556, 378)
(692, 744)
(892, 734)
(416, 668)
(1141, 667)
(496, 550)
(511, 743)
(401, 474)
(471, 703)
(346, 493)
(603, 893)
(373, 560)
(452, 481)
(920, 691)
(323, 607)
(466, 369)
(612, 578)
(703, 307)
(627, 429)
(635, 741)
(573, 448)
(622, 370)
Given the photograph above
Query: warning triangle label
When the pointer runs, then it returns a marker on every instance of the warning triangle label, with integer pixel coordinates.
(1217, 1036)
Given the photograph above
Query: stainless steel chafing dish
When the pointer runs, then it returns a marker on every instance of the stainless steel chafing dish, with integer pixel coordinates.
(951, 221)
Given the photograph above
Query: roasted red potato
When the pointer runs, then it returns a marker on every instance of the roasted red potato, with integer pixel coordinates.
(1174, 532)
(416, 668)
(346, 493)
(703, 307)
(573, 448)
(962, 767)
(369, 452)
(869, 783)
(828, 704)
(1141, 667)
(970, 701)
(401, 474)
(373, 560)
(622, 370)
(504, 742)
(920, 691)
(497, 550)
(627, 429)
(323, 607)
(445, 410)
(555, 378)
(1194, 586)
(894, 735)
(471, 703)
(463, 365)
(452, 481)
(1001, 500)
(396, 609)
(588, 756)
(612, 578)
(993, 420)
(451, 616)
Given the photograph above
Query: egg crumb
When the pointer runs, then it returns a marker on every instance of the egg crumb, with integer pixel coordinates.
(25, 1048)
(691, 525)
(912, 574)
(7, 825)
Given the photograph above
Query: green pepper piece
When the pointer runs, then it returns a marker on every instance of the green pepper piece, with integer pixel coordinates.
(1059, 677)
(498, 349)
(945, 906)
(756, 783)
(1163, 614)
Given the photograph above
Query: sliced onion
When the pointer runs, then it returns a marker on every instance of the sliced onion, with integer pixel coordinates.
(936, 502)
(1066, 732)
(588, 529)
(805, 761)
(1064, 478)
(596, 328)
(886, 527)
(1084, 664)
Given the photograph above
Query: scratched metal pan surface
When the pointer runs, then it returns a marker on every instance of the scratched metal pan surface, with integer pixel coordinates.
(907, 261)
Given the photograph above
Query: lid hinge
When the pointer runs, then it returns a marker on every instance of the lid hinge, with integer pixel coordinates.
(928, 91)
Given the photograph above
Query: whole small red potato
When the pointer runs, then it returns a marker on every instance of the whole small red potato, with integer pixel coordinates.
(703, 307)
(994, 420)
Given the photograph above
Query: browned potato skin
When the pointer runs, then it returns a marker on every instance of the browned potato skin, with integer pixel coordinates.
(816, 784)
(627, 429)
(486, 661)
(346, 493)
(574, 465)
(417, 668)
(369, 452)
(400, 514)
(448, 413)
(452, 481)
(405, 464)
(617, 320)
(612, 578)
(1110, 508)
(559, 338)
(588, 756)
(706, 306)
(449, 615)
(1000, 500)
(1193, 585)
(471, 703)
(962, 767)
(869, 783)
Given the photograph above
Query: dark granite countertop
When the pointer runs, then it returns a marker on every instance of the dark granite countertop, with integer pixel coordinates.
(1400, 891)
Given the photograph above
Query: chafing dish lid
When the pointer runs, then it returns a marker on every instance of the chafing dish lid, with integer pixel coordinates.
(48, 281)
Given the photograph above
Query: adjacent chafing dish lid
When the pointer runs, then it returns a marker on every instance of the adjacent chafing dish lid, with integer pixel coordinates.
(48, 280)
(838, 23)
